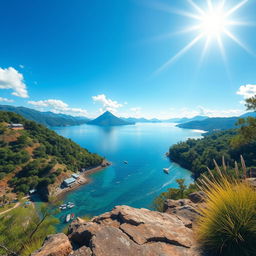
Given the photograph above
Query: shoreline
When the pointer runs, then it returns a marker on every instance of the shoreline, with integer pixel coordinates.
(82, 180)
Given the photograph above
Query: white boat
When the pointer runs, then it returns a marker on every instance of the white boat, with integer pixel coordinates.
(166, 170)
(68, 217)
(70, 206)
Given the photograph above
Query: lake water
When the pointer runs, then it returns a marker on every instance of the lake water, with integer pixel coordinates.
(136, 183)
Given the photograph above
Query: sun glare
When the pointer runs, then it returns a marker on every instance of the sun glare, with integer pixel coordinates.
(213, 23)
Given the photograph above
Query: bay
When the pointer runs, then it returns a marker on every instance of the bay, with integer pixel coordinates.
(137, 183)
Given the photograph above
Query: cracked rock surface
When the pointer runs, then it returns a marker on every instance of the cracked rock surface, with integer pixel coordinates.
(129, 231)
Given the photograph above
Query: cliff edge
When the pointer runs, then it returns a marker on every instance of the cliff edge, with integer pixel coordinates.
(129, 231)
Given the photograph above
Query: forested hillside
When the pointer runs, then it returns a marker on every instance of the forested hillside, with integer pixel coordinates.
(197, 154)
(45, 118)
(36, 156)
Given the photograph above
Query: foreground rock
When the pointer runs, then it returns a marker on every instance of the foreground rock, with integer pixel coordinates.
(55, 245)
(129, 231)
(184, 209)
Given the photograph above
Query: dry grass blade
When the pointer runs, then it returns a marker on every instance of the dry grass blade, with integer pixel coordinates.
(224, 164)
(236, 169)
(243, 166)
(217, 168)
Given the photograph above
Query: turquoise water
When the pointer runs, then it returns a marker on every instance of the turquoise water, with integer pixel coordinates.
(136, 183)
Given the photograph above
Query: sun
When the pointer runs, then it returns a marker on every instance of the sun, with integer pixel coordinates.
(214, 23)
(211, 23)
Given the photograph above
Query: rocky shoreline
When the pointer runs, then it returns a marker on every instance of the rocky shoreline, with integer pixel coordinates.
(129, 231)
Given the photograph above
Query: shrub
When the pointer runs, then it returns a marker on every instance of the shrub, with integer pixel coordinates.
(228, 222)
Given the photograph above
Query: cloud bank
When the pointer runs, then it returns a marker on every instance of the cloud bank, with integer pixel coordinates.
(58, 107)
(5, 100)
(247, 91)
(11, 79)
(107, 104)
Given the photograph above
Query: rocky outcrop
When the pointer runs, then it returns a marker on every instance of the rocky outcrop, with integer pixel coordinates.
(55, 245)
(127, 231)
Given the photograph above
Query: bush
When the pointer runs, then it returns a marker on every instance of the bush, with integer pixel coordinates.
(173, 193)
(228, 222)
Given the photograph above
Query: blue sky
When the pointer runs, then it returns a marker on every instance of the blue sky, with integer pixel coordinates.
(82, 57)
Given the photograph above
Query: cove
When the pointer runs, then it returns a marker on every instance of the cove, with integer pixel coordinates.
(135, 184)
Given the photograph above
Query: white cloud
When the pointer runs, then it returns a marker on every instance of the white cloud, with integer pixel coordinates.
(107, 104)
(219, 113)
(58, 107)
(247, 91)
(5, 100)
(10, 78)
(202, 111)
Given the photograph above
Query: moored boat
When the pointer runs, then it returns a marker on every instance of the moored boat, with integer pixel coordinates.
(166, 170)
(68, 217)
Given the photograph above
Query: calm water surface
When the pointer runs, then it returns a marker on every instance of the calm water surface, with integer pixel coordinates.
(136, 183)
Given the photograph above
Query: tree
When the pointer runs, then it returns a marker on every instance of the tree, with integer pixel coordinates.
(251, 103)
(182, 187)
(247, 130)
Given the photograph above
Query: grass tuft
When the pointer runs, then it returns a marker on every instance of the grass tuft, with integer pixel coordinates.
(228, 222)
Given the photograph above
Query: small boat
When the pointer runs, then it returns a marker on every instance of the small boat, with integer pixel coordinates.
(68, 217)
(70, 206)
(125, 162)
(72, 216)
(166, 170)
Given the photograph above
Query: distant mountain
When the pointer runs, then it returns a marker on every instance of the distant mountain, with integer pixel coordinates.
(108, 119)
(141, 120)
(186, 119)
(45, 118)
(215, 123)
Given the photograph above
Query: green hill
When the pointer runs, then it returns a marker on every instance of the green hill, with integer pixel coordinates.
(45, 118)
(197, 154)
(37, 157)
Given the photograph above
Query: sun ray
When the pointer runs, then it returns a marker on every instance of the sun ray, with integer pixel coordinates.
(209, 3)
(206, 45)
(196, 7)
(222, 4)
(168, 9)
(222, 49)
(236, 7)
(179, 54)
(169, 35)
(214, 22)
(235, 39)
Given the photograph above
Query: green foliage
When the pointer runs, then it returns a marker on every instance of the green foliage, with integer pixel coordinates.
(227, 224)
(197, 154)
(173, 193)
(37, 170)
(247, 132)
(251, 103)
(27, 231)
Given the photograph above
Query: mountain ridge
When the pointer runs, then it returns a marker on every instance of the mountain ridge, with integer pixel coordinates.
(215, 123)
(108, 119)
(48, 118)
